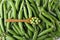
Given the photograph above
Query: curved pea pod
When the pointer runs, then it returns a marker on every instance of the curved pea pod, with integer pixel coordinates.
(8, 23)
(42, 37)
(3, 38)
(45, 20)
(38, 2)
(35, 7)
(17, 28)
(40, 26)
(58, 13)
(46, 15)
(1, 11)
(25, 12)
(57, 34)
(12, 32)
(1, 25)
(17, 4)
(21, 11)
(45, 31)
(13, 8)
(45, 2)
(29, 9)
(58, 25)
(18, 37)
(29, 27)
(29, 33)
(35, 34)
(0, 31)
(33, 10)
(50, 38)
(8, 37)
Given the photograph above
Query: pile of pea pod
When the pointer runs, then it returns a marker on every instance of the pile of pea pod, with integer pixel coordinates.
(48, 12)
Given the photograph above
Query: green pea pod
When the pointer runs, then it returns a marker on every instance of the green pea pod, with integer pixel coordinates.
(58, 25)
(45, 31)
(8, 23)
(58, 13)
(42, 37)
(29, 9)
(35, 14)
(45, 20)
(1, 12)
(20, 11)
(49, 38)
(29, 33)
(29, 27)
(17, 4)
(25, 12)
(45, 3)
(3, 38)
(38, 2)
(12, 32)
(35, 34)
(9, 37)
(18, 37)
(34, 6)
(13, 8)
(1, 24)
(45, 14)
(17, 28)
(14, 29)
(0, 31)
(40, 26)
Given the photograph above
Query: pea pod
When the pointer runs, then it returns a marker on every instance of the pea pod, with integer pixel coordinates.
(1, 24)
(17, 4)
(18, 37)
(12, 32)
(29, 9)
(58, 13)
(9, 37)
(29, 27)
(45, 31)
(13, 8)
(25, 12)
(42, 37)
(17, 28)
(14, 29)
(45, 20)
(35, 33)
(29, 33)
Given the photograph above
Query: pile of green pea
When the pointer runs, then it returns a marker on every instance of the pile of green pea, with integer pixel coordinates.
(47, 11)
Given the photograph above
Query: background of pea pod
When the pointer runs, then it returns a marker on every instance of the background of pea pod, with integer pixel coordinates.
(48, 11)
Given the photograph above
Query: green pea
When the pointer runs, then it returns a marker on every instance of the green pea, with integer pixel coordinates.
(45, 31)
(14, 29)
(9, 37)
(29, 33)
(42, 37)
(29, 9)
(12, 32)
(1, 12)
(1, 24)
(17, 4)
(17, 28)
(18, 37)
(35, 34)
(13, 8)
(45, 20)
(25, 12)
(29, 27)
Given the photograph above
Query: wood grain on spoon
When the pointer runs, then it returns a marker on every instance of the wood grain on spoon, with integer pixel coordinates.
(17, 20)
